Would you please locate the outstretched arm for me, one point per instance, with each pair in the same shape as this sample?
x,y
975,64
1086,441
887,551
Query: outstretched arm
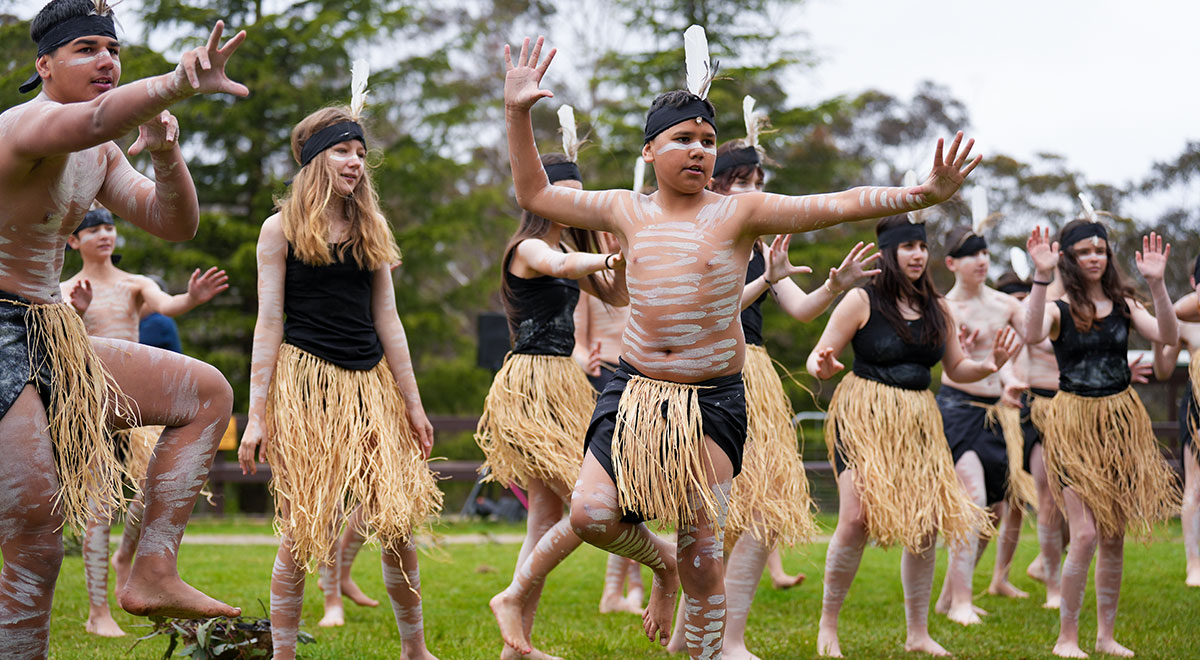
x,y
962,369
1187,308
1151,260
578,208
1039,323
805,307
49,129
848,318
781,214
201,289
395,348
268,335
166,206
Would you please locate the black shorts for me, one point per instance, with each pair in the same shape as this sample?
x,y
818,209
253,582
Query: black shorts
x,y
722,413
607,369
15,371
1032,435
964,420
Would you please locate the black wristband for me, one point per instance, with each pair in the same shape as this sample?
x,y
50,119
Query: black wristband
x,y
606,262
1046,283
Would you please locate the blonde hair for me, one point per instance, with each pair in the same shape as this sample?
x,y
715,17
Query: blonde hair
x,y
302,210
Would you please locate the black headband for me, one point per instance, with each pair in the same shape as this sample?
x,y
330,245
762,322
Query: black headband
x,y
1015,287
736,158
1081,231
666,116
974,244
93,218
329,136
909,231
567,171
66,32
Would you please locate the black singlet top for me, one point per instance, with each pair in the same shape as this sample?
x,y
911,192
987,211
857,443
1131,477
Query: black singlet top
x,y
1092,363
882,356
327,312
752,319
543,318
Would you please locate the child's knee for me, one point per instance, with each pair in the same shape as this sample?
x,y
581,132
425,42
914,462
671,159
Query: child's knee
x,y
216,394
591,521
700,574
1083,536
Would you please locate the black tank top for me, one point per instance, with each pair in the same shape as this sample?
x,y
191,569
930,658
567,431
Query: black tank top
x,y
327,312
543,316
1093,363
752,318
882,356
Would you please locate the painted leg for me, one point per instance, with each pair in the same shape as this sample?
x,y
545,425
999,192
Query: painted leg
x,y
1074,575
30,529
742,575
351,543
122,559
596,519
95,574
287,600
700,551
193,400
402,578
329,579
1191,517
1049,532
1010,535
916,574
612,599
1110,561
841,563
956,598
779,577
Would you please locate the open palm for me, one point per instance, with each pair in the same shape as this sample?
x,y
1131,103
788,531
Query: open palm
x,y
948,173
522,82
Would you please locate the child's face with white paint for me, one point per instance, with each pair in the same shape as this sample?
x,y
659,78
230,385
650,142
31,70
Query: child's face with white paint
x,y
971,269
683,156
912,257
81,70
745,184
349,161
94,243
1092,256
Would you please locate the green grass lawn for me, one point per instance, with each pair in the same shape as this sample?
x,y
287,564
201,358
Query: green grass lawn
x,y
1159,616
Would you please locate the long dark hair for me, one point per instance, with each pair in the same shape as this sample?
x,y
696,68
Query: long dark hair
x,y
535,226
1114,285
721,183
892,286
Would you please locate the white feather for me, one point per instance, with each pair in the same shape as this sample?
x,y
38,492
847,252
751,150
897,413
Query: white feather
x,y
979,210
695,56
570,134
639,175
360,70
911,181
751,121
1020,262
1088,211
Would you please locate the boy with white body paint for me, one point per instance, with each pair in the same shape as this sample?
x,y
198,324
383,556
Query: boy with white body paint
x,y
687,250
56,158
110,301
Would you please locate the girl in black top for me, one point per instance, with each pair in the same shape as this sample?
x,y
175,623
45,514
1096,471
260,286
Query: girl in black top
x,y
896,479
537,411
334,405
1101,455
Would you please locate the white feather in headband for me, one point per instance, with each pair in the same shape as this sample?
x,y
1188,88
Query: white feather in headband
x,y
1020,262
103,7
570,134
755,121
1089,212
359,71
700,71
980,218
911,181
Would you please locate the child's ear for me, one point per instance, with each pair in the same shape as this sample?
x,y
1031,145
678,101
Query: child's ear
x,y
648,152
73,242
950,263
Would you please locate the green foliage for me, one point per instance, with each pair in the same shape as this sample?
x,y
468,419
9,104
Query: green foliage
x,y
220,638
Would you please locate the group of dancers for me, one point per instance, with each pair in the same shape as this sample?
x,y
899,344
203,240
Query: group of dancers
x,y
680,422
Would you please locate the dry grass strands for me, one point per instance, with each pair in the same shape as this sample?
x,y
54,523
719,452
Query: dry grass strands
x,y
83,398
770,497
1104,449
1039,406
1194,375
892,438
534,420
1022,489
338,438
141,442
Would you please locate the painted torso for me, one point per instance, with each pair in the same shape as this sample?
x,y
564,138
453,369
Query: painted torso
x,y
607,327
116,305
987,312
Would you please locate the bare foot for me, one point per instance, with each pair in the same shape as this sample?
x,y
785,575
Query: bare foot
x,y
507,611
424,654
925,645
966,615
334,617
103,625
510,653
656,620
786,581
351,590
1193,578
1007,590
741,653
1111,647
619,604
827,643
145,594
1035,570
1052,602
1068,650
635,598
120,565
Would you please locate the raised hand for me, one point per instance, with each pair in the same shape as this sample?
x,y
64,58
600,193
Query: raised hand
x,y
204,67
947,174
1042,252
522,81
779,266
967,338
853,267
202,288
1008,344
827,364
158,134
81,296
1140,373
1152,259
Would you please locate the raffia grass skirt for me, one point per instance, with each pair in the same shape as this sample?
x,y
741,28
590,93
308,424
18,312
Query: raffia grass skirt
x,y
1194,376
141,442
1022,490
337,439
1104,449
892,438
84,396
770,498
534,420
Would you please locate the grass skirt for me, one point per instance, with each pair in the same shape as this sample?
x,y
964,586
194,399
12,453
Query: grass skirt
x,y
1104,449
336,439
140,442
534,420
1022,489
892,438
770,498
1194,375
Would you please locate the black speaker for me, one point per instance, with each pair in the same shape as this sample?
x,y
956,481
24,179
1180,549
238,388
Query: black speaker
x,y
492,333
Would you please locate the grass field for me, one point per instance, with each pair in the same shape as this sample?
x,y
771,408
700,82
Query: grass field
x,y
1159,616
